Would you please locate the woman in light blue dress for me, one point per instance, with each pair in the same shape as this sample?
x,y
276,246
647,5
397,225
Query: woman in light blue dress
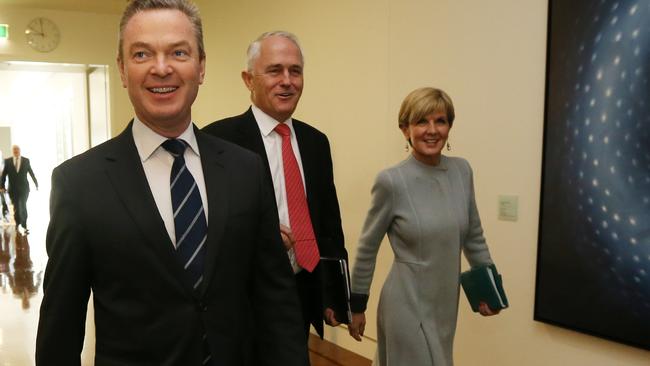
x,y
426,206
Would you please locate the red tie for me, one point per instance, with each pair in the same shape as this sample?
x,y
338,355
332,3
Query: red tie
x,y
306,248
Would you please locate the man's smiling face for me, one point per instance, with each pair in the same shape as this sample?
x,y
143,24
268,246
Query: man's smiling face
x,y
161,68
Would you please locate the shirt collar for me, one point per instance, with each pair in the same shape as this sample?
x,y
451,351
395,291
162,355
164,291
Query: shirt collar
x,y
266,123
147,141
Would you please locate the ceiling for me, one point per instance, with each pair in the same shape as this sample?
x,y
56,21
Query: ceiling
x,y
93,6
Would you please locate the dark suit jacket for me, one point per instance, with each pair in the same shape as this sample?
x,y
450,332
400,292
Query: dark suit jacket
x,y
319,181
17,180
106,234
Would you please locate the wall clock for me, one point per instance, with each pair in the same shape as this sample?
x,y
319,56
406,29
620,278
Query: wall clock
x,y
42,34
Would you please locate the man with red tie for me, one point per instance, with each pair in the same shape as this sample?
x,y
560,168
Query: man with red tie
x,y
299,165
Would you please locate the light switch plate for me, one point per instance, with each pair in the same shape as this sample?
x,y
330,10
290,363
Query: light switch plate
x,y
508,208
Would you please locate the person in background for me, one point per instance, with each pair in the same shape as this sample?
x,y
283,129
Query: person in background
x,y
16,168
298,164
173,230
5,207
426,206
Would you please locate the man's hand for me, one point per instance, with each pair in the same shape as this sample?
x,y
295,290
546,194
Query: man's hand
x,y
330,318
485,310
357,326
287,237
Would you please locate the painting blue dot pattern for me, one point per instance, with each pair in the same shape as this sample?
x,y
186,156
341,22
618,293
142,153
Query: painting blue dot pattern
x,y
596,187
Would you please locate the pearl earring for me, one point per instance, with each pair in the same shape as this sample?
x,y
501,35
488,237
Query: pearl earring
x,y
448,146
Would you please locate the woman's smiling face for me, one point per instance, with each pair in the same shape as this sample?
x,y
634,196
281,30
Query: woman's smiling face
x,y
428,137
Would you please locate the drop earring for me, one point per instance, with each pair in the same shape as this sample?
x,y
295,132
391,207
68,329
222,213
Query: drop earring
x,y
448,146
406,147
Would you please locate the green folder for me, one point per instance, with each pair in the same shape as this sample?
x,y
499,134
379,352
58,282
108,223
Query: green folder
x,y
484,284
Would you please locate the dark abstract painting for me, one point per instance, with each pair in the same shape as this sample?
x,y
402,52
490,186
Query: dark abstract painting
x,y
593,266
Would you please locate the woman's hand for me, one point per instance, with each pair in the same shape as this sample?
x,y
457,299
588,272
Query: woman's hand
x,y
357,326
485,310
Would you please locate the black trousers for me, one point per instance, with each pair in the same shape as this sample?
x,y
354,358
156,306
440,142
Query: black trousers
x,y
19,200
308,285
5,208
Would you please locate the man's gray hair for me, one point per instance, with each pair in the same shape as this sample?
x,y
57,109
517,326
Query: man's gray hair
x,y
253,51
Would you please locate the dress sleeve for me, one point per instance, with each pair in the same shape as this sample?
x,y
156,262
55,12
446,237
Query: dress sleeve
x,y
474,246
378,220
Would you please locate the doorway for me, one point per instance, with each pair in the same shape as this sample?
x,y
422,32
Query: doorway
x,y
53,112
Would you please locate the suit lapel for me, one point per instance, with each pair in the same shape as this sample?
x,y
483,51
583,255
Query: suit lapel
x,y
217,188
312,169
307,154
251,138
126,174
11,164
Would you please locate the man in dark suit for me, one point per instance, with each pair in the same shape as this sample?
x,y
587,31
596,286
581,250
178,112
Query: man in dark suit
x,y
274,77
199,278
16,168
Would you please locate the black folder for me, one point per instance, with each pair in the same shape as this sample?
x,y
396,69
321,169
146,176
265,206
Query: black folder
x,y
484,284
336,287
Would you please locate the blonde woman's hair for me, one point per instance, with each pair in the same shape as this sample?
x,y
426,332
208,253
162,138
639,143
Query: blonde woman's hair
x,y
422,102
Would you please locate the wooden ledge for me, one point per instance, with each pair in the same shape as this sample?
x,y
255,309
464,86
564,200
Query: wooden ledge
x,y
325,353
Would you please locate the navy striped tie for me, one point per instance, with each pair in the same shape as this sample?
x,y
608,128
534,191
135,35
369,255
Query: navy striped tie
x,y
189,216
189,221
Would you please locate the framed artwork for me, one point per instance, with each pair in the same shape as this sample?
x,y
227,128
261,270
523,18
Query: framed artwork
x,y
593,264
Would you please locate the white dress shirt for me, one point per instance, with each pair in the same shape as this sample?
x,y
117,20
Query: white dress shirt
x,y
157,163
273,146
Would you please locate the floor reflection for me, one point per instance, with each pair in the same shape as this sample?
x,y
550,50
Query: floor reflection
x,y
23,280
22,269
20,297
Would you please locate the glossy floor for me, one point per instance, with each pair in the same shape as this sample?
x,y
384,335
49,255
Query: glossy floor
x,y
22,264
22,267
21,275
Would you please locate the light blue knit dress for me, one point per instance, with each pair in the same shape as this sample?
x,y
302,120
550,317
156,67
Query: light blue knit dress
x,y
430,215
